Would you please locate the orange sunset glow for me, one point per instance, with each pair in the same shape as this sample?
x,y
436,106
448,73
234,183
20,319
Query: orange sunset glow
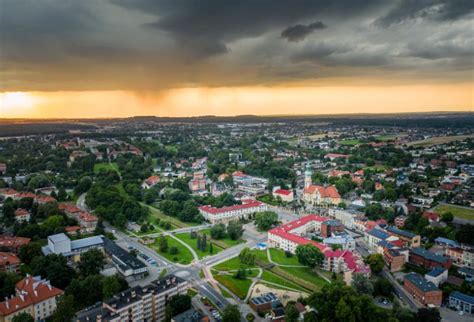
x,y
125,58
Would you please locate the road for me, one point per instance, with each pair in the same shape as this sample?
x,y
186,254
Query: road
x,y
363,249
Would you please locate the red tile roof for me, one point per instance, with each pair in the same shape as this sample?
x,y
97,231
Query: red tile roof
x,y
85,216
336,155
70,208
31,290
8,259
249,203
282,192
325,192
13,242
21,212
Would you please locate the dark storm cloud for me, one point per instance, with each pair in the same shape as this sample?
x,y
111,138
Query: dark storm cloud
x,y
154,44
299,32
207,26
439,10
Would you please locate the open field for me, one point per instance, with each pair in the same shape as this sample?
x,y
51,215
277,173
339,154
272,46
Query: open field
x,y
279,257
225,242
440,140
156,213
237,286
184,256
349,142
192,242
457,211
105,166
303,276
390,137
268,276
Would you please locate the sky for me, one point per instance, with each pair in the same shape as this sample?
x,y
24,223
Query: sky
x,y
119,58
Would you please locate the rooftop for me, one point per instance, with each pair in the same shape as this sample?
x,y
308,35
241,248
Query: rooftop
x,y
429,255
401,232
419,282
437,271
462,297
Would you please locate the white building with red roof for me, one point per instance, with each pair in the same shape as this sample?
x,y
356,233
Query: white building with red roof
x,y
289,236
150,182
34,296
9,263
22,215
87,221
284,194
235,212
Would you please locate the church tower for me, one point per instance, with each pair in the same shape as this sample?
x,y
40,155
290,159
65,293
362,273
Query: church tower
x,y
308,173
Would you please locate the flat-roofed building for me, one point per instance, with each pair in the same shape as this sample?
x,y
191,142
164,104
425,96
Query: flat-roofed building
x,y
461,302
426,259
411,239
422,290
139,303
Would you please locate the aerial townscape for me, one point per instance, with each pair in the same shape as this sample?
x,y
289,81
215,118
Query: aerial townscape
x,y
245,218
236,161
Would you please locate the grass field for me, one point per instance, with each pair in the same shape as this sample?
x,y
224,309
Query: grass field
x,y
105,166
459,212
390,137
273,278
349,142
186,237
279,257
156,213
440,140
184,256
225,242
303,276
237,286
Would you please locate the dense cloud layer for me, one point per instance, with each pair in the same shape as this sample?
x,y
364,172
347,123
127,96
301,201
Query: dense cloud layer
x,y
154,44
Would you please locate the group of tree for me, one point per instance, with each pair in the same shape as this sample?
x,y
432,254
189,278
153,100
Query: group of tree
x,y
265,220
309,255
178,203
233,230
247,257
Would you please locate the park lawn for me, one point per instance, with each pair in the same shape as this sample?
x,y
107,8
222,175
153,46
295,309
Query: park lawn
x,y
225,242
192,242
268,276
440,140
279,257
236,286
305,274
105,166
234,263
349,142
156,213
230,264
390,137
459,212
184,256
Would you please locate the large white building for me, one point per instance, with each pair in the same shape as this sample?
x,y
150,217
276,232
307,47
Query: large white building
x,y
289,236
235,212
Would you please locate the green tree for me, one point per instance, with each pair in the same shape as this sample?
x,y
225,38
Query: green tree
x,y
7,283
54,268
231,313
447,217
111,286
246,256
428,315
234,230
362,284
62,194
29,251
174,250
375,262
65,309
163,244
309,255
218,231
168,313
23,317
266,219
91,262
180,303
291,313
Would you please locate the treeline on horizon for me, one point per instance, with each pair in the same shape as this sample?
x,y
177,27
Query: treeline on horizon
x,y
22,127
